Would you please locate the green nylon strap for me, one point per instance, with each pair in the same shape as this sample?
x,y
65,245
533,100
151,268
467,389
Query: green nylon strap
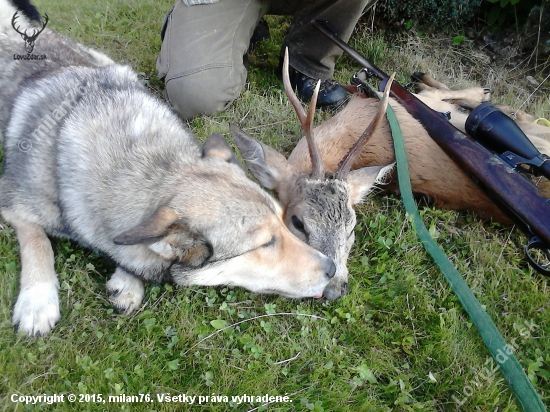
x,y
500,351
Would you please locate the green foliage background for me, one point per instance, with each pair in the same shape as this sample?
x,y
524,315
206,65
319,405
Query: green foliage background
x,y
494,14
440,13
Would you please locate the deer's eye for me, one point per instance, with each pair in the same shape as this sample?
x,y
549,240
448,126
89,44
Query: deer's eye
x,y
298,224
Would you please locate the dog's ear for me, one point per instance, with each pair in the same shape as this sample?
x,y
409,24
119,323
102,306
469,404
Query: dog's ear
x,y
150,229
169,236
216,146
266,164
184,246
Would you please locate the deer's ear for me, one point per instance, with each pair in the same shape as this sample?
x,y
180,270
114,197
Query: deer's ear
x,y
266,164
362,181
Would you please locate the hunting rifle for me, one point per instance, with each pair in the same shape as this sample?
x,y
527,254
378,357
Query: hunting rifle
x,y
497,172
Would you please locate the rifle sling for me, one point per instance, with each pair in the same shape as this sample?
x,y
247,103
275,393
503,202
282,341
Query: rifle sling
x,y
512,371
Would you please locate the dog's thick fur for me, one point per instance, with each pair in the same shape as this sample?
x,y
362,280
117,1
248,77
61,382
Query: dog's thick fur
x,y
89,154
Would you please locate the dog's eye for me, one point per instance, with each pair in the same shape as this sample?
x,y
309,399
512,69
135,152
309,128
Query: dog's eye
x,y
271,242
298,224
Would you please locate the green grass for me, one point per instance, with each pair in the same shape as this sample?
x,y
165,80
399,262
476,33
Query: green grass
x,y
399,341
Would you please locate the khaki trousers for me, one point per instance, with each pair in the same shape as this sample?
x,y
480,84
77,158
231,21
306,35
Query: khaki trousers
x,y
201,58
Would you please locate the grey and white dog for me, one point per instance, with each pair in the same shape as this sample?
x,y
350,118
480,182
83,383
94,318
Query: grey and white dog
x,y
91,155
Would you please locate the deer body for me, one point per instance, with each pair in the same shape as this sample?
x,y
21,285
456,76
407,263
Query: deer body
x,y
339,162
433,174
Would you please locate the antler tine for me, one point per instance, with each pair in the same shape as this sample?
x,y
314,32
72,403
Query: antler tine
x,y
290,92
317,171
45,23
36,31
347,161
13,19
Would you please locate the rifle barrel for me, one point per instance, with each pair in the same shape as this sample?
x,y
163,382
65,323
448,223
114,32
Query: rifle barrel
x,y
327,31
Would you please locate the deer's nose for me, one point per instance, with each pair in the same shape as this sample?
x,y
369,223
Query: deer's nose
x,y
336,291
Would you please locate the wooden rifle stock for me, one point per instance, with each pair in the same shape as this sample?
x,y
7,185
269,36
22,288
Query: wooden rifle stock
x,y
510,191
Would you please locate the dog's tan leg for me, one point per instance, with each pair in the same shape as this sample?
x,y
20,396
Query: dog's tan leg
x,y
37,308
125,291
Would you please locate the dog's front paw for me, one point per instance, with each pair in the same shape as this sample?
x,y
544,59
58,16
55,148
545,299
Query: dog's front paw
x,y
125,292
37,309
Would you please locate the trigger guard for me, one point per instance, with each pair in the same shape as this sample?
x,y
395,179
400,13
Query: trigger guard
x,y
536,243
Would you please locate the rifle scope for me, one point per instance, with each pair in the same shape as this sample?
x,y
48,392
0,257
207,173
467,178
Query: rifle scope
x,y
499,133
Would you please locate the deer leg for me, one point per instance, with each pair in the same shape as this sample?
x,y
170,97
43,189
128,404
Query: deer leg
x,y
425,80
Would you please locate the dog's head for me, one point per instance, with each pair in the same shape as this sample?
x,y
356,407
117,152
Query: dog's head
x,y
223,229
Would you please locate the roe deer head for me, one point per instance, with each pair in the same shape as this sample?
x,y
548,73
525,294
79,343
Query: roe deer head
x,y
318,205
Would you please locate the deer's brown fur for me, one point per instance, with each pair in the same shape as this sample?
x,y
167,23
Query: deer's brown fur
x,y
433,174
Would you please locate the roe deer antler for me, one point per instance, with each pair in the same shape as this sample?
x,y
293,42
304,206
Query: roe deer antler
x,y
317,170
344,166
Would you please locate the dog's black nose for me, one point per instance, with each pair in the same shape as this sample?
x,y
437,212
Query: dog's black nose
x,y
331,269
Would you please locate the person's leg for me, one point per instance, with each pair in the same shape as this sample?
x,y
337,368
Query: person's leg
x,y
312,56
201,58
310,52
